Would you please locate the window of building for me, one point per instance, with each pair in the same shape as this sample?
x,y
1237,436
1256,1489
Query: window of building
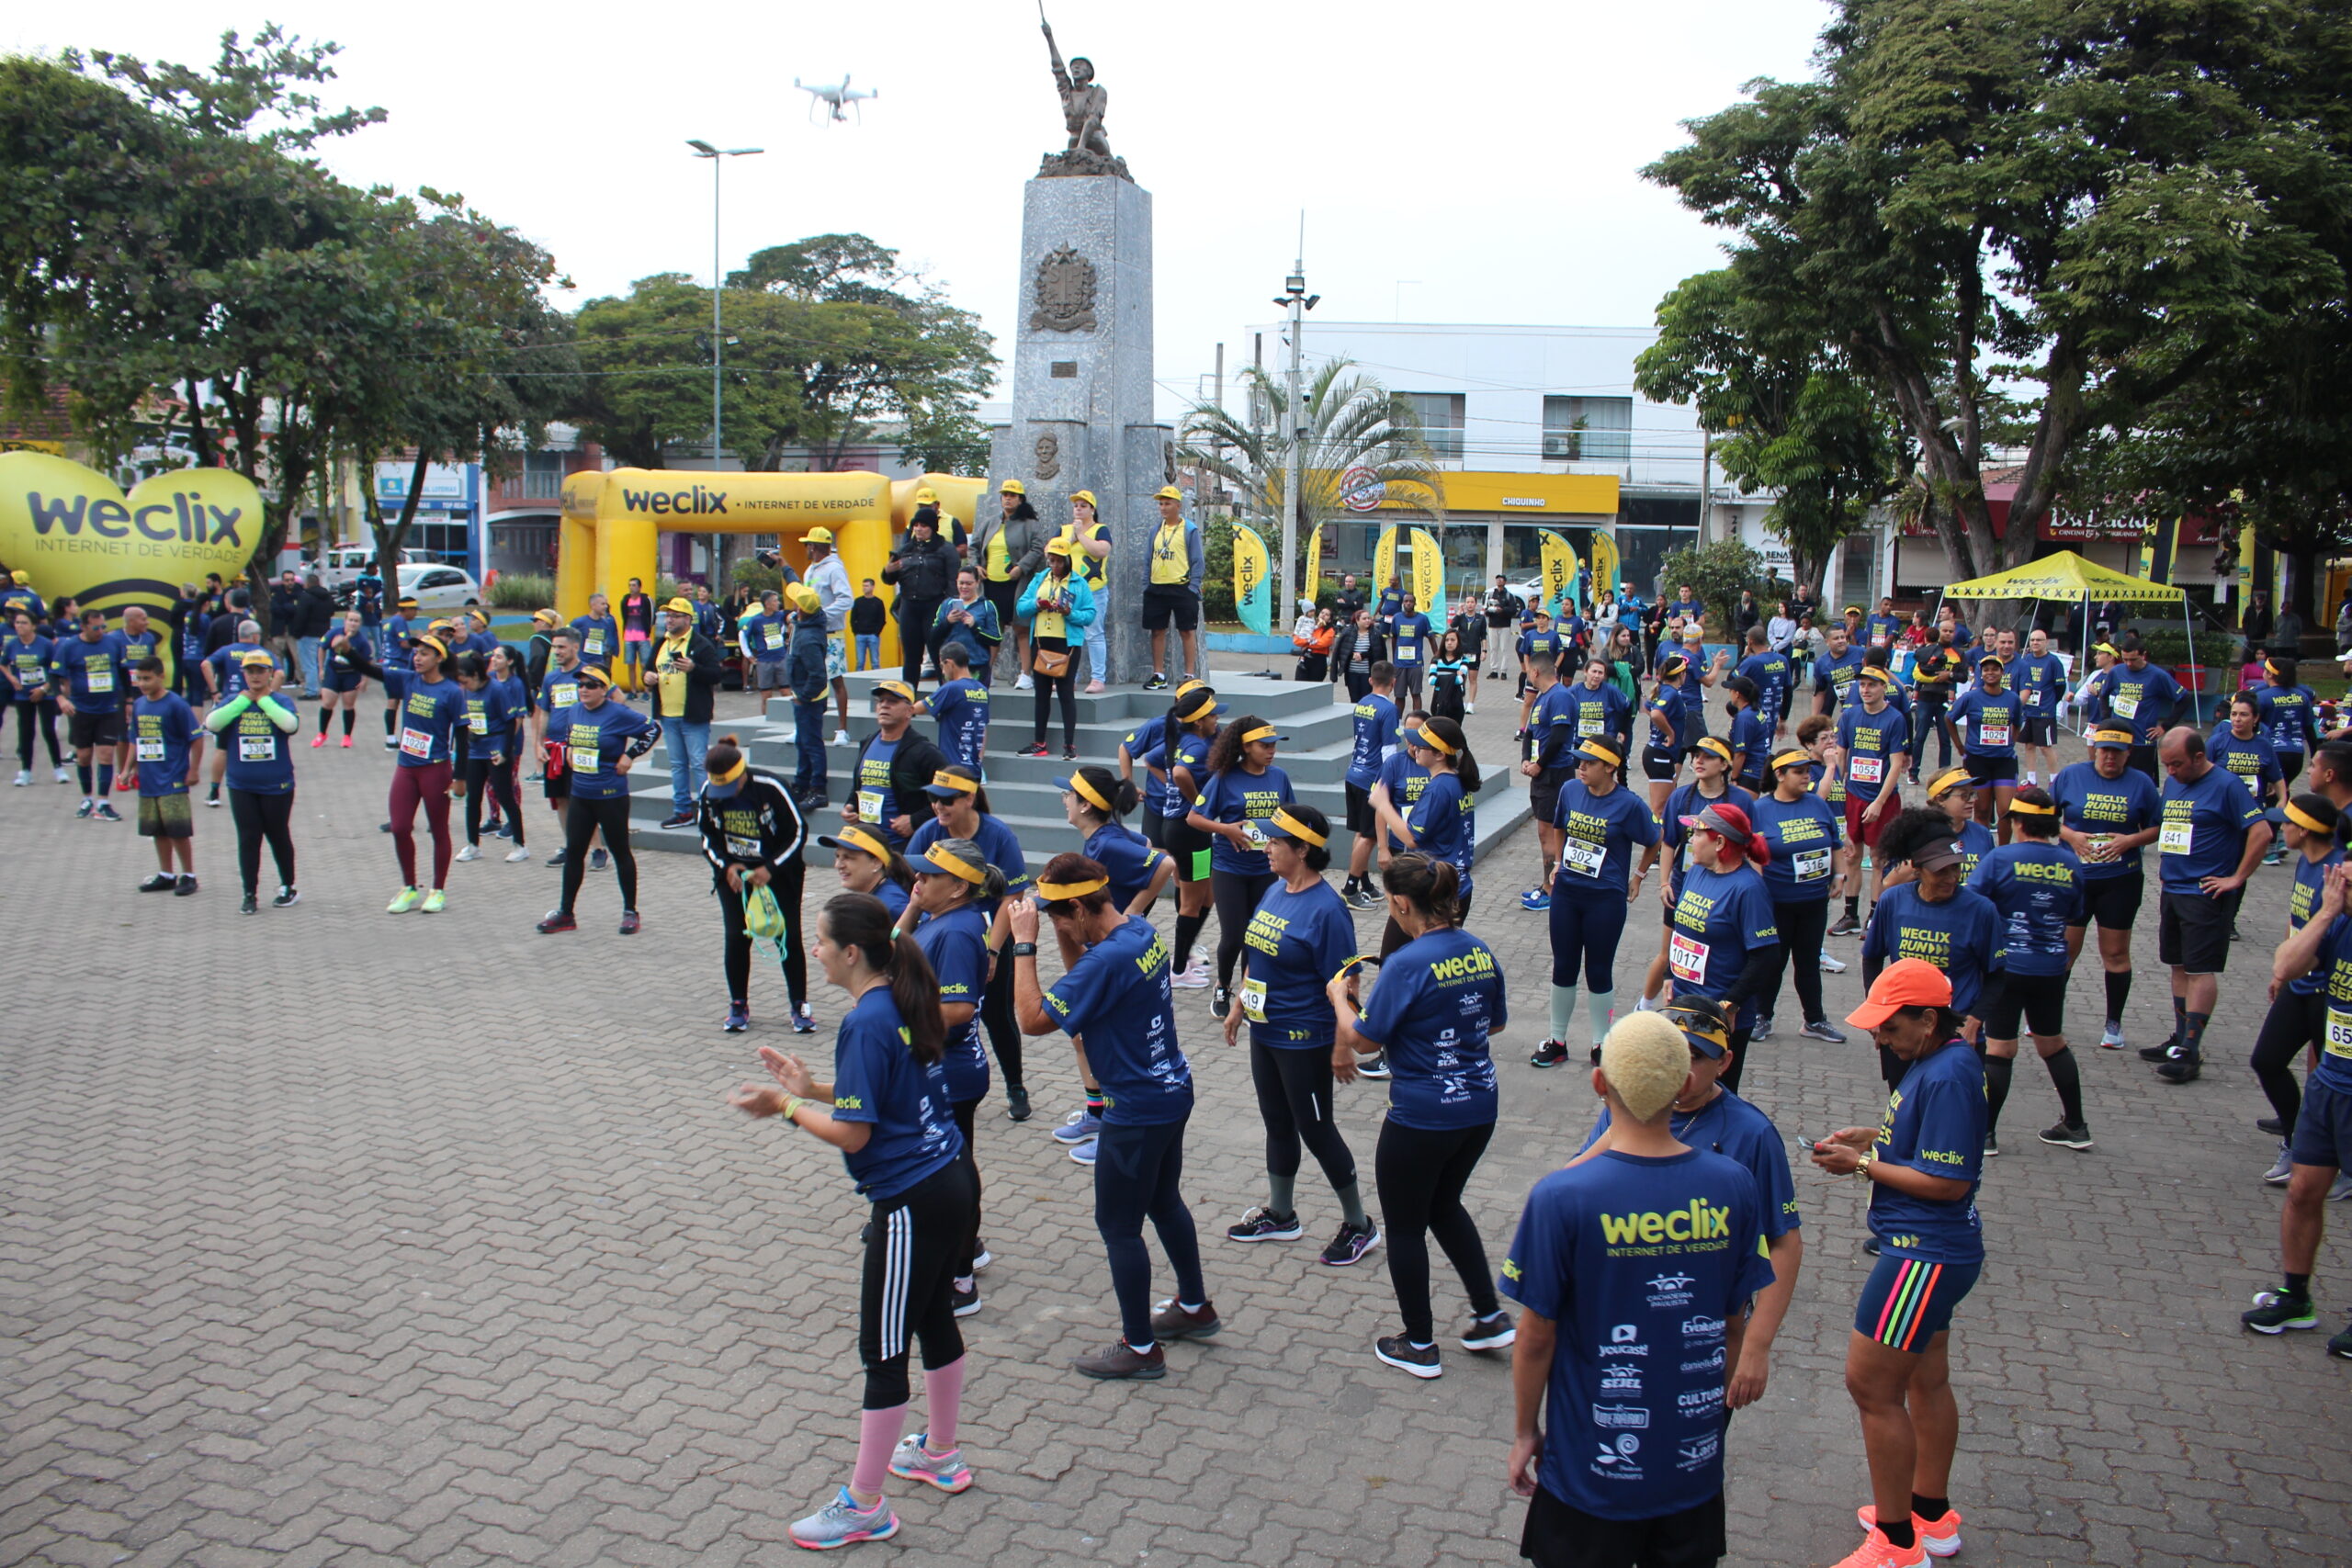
x,y
1441,416
542,476
1588,430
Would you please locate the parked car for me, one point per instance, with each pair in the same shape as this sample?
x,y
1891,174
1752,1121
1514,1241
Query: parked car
x,y
345,564
439,588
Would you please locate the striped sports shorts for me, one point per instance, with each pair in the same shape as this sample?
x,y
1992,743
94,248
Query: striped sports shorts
x,y
1909,1302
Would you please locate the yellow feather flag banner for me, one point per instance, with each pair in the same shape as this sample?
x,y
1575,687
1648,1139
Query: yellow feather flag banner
x,y
1314,566
1559,566
1384,561
1428,575
1604,562
1253,592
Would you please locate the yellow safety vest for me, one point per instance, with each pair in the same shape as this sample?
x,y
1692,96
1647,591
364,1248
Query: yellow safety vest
x,y
1170,562
1084,565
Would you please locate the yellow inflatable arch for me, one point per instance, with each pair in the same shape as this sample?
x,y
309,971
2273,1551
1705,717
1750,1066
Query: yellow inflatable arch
x,y
612,521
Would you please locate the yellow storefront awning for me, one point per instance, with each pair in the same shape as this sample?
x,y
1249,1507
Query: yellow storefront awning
x,y
2064,576
1536,494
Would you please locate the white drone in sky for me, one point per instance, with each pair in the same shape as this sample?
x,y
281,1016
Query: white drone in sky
x,y
836,98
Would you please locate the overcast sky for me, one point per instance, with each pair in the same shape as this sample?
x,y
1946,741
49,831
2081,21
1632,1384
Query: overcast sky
x,y
1456,163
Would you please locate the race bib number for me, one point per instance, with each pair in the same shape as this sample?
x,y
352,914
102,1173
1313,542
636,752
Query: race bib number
x,y
1844,690
594,645
1587,729
871,806
743,849
1253,1000
1865,769
1809,865
477,722
585,758
774,635
2033,699
2176,838
1407,650
2126,706
2338,1036
1251,831
564,696
100,681
1688,959
1581,858
256,749
150,749
415,743
1993,735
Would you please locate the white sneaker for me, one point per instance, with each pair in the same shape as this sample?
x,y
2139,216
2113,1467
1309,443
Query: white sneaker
x,y
841,738
64,775
1195,977
24,777
517,855
1832,966
468,852
1025,683
1469,707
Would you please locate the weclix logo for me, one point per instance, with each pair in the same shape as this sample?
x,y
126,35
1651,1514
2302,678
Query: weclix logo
x,y
1699,1221
693,502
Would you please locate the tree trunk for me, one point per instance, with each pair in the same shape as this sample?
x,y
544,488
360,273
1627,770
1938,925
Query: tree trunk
x,y
391,539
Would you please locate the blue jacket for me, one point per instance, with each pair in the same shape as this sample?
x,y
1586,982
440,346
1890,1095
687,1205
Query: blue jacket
x,y
804,664
1081,600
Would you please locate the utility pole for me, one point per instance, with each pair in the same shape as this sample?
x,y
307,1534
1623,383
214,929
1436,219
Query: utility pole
x,y
1295,299
718,342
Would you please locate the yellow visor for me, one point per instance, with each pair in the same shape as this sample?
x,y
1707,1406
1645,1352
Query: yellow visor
x,y
1298,829
937,856
1055,892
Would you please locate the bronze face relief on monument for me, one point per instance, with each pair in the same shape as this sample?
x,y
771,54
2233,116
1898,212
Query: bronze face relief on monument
x,y
1064,293
1083,104
1049,458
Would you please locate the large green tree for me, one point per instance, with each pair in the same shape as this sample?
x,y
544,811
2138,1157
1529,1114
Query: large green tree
x,y
2082,204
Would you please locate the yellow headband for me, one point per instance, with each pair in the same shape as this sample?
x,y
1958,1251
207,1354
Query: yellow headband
x,y
588,675
2113,737
2300,817
1087,792
1946,783
1298,829
938,856
1191,686
1713,746
946,780
1873,672
859,838
1264,732
1055,892
1431,739
440,649
1207,706
1792,760
731,774
1596,751
2027,808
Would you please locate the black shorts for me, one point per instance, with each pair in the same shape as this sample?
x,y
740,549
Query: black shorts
x,y
1752,783
1992,770
2040,1000
1659,765
558,784
1544,793
1162,603
2113,902
1360,817
1187,846
2037,730
1558,1535
2193,932
85,730
1155,829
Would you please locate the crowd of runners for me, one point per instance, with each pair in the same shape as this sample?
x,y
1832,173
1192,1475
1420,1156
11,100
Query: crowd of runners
x,y
1653,1271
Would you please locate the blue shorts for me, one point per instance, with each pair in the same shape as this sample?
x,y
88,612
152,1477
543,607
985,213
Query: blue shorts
x,y
2323,1126
1907,1302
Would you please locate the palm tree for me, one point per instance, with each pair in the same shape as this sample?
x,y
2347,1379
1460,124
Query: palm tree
x,y
1352,422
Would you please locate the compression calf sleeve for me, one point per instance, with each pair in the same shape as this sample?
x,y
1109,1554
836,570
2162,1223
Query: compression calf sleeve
x,y
1188,931
2068,1079
2119,991
877,1435
1563,1011
943,1389
106,778
1351,1199
1998,1073
1282,1194
348,714
1597,1005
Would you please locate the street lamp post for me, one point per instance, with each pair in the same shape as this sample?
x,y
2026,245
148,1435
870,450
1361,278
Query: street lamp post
x,y
718,342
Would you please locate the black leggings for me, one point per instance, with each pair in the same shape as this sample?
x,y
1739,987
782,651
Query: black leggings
x,y
996,1018
1140,1172
1294,1100
2291,767
964,1111
915,616
260,817
1420,1176
910,1281
483,777
785,881
1235,896
1803,925
1066,684
27,715
581,821
2292,1023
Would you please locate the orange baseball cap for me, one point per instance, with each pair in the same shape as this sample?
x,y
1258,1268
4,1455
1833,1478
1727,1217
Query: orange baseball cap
x,y
1906,982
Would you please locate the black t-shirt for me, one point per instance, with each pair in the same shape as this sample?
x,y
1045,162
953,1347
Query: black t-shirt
x,y
867,614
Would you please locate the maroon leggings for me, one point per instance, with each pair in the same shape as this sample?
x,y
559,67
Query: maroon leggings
x,y
427,785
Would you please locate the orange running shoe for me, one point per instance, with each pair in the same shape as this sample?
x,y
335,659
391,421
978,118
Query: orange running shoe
x,y
1877,1551
1941,1538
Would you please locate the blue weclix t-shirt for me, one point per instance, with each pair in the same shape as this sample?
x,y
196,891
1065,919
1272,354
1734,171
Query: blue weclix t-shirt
x,y
1641,1262
962,708
2091,804
1372,727
876,1080
2037,889
1599,835
1934,1122
1961,936
1238,795
1295,945
2204,827
1118,998
957,944
1439,998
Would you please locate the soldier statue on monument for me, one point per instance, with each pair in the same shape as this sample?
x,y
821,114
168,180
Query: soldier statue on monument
x,y
1083,103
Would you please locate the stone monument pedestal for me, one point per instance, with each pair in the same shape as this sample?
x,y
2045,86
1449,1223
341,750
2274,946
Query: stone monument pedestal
x,y
1081,383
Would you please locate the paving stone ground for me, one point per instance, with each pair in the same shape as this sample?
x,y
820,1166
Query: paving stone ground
x,y
330,1238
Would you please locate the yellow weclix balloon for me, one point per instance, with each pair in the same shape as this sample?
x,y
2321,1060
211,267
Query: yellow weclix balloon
x,y
75,530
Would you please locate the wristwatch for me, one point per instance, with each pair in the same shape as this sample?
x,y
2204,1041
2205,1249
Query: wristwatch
x,y
1024,950
1863,1166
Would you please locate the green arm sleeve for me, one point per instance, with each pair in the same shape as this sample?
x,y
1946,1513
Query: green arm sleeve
x,y
224,716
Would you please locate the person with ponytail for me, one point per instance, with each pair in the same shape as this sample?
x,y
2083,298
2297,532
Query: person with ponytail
x,y
868,862
1183,757
1443,822
752,835
1934,913
951,878
2036,887
1114,994
598,737
1244,788
959,809
1722,942
1440,1000
884,1112
1093,801
493,730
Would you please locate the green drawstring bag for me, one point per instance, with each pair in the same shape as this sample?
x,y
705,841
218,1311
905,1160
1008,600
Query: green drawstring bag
x,y
762,916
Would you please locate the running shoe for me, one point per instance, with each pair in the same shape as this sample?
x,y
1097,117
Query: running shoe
x,y
346,742
556,860
2271,1124
1992,1145
2164,1052
1468,709
64,775
1035,749
2339,1344
677,818
469,853
1421,1360
186,887
1069,753
1367,897
1374,1067
1823,1030
84,809
1026,684
598,860
804,1020
1196,976
1847,925
738,1017
2274,1312
1171,1321
1352,1242
1871,1245
842,1523
1941,1538
502,831
1083,1153
517,855
24,777
107,813
1221,1001
841,738
318,740
2276,857
981,1258
434,902
1493,1332
963,1300
1016,1102
1550,1053
1536,899
1158,683
407,898
2182,1068
913,1460
2282,1169
2075,1136
2110,1036
1077,1127
1876,1551
2342,1190
629,922
1264,1224
1116,1361
1832,966
390,744
1763,1029
250,906
558,920
162,882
